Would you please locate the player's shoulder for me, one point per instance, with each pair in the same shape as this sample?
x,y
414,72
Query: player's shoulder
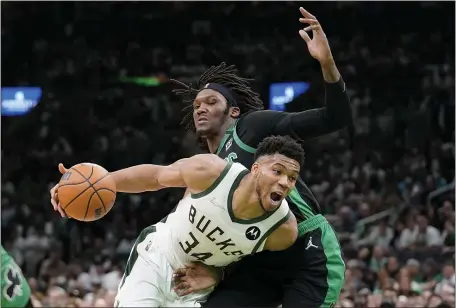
x,y
214,165
259,115
254,126
209,163
206,157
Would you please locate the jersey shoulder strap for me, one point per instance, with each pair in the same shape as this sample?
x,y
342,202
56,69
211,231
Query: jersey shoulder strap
x,y
231,174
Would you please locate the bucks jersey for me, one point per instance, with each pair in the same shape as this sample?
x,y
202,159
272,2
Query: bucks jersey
x,y
204,228
15,290
236,146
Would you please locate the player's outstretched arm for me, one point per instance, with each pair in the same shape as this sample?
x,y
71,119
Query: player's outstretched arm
x,y
197,173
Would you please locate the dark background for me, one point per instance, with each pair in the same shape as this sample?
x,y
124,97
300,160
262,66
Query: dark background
x,y
397,59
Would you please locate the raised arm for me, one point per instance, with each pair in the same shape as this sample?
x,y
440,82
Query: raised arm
x,y
337,112
313,123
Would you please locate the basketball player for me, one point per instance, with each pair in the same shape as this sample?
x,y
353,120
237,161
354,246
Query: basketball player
x,y
229,214
227,115
15,289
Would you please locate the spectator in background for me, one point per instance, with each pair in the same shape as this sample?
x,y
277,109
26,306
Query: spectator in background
x,y
111,280
380,235
419,234
389,274
448,282
53,266
36,245
400,149
378,259
448,237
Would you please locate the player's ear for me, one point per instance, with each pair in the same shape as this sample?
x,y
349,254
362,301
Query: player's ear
x,y
255,169
235,112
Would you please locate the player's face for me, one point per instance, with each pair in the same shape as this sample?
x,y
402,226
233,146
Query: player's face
x,y
210,112
276,177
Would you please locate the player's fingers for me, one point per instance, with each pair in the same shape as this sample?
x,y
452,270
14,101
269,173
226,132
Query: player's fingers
x,y
187,291
54,197
304,36
176,280
182,292
181,285
308,21
306,14
180,272
62,213
54,190
190,266
62,169
54,204
312,27
182,288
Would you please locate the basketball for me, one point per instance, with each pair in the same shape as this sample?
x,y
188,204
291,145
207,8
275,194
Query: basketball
x,y
86,192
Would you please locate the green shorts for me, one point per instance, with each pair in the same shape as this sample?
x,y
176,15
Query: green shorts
x,y
15,289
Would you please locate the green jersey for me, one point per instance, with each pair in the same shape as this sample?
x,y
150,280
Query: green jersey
x,y
15,289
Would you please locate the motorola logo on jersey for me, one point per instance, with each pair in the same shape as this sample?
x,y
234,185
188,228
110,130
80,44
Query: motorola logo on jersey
x,y
252,233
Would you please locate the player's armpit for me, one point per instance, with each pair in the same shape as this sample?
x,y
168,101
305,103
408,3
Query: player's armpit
x,y
284,236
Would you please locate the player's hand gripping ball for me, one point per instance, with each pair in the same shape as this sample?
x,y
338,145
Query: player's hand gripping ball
x,y
86,192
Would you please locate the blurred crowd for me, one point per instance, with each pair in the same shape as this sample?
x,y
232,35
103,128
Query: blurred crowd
x,y
386,183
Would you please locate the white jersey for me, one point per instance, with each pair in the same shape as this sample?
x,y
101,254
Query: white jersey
x,y
203,226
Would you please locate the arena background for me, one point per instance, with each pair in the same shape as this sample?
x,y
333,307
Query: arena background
x,y
101,72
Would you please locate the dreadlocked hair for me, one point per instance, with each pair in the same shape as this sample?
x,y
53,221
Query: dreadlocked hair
x,y
247,99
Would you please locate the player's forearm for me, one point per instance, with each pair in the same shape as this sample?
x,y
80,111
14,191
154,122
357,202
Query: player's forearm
x,y
337,103
138,178
308,124
336,114
330,72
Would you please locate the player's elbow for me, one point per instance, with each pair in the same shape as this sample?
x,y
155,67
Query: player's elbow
x,y
169,176
340,120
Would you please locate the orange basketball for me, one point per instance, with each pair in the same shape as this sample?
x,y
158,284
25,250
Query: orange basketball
x,y
86,192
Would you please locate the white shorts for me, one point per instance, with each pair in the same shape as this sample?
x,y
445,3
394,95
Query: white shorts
x,y
149,283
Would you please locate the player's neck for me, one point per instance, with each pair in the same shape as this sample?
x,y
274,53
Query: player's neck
x,y
213,141
245,200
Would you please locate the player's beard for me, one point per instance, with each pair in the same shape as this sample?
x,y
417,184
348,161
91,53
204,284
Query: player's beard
x,y
259,194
